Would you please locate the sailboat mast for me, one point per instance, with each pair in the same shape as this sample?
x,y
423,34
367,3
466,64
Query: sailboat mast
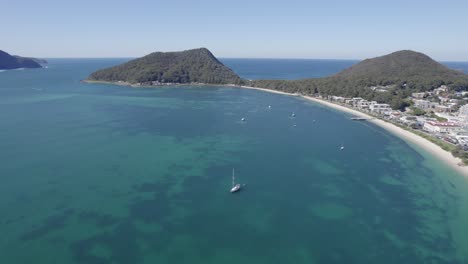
x,y
233,178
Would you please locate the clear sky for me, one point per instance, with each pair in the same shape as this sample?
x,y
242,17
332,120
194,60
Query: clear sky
x,y
349,29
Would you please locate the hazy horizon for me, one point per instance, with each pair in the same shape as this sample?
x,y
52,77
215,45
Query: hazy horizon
x,y
221,58
243,29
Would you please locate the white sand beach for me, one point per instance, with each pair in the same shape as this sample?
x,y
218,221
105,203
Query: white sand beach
x,y
425,144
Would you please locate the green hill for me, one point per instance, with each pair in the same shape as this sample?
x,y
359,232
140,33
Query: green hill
x,y
196,65
8,62
396,76
40,61
387,79
415,69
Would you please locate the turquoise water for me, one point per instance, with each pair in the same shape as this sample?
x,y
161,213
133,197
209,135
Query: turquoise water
x,y
108,174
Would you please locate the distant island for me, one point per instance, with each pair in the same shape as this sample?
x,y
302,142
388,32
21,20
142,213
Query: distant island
x,y
158,68
10,62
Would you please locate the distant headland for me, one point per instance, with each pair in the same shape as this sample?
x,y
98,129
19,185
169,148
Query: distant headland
x,y
386,79
158,68
10,62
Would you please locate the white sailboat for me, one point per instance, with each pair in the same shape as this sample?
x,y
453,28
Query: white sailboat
x,y
235,187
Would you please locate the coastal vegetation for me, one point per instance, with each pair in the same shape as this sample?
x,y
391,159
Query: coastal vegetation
x,y
9,62
38,60
190,66
417,111
386,79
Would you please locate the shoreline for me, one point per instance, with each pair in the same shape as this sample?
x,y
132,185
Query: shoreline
x,y
433,149
132,85
409,137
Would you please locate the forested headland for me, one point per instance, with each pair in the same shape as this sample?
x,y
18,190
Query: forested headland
x,y
386,79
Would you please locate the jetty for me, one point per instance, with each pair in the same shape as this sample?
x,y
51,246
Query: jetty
x,y
359,118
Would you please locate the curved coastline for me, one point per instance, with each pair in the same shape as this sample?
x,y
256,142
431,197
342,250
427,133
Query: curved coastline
x,y
425,144
445,156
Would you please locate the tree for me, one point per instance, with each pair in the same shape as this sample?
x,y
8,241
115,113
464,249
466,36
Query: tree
x,y
418,111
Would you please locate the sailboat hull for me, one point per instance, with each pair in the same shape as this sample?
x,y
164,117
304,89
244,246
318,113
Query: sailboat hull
x,y
236,188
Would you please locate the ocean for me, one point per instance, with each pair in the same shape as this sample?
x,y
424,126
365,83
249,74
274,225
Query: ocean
x,y
97,173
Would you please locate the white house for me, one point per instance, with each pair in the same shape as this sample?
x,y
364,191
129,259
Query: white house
x,y
444,99
440,127
339,99
441,89
463,111
423,104
418,95
364,104
381,108
441,109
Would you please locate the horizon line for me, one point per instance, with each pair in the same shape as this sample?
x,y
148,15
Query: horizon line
x,y
243,58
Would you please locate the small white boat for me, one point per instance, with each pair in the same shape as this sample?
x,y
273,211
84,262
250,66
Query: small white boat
x,y
293,114
342,147
235,187
269,107
243,119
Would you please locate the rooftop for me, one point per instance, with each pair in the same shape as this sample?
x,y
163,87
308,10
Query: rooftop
x,y
442,124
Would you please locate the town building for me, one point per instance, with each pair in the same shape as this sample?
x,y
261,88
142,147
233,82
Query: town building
x,y
441,108
408,120
440,127
395,115
418,95
339,99
463,111
441,89
444,99
423,104
383,109
364,104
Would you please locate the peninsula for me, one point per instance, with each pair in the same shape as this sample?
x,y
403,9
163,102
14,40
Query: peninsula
x,y
10,62
387,79
158,68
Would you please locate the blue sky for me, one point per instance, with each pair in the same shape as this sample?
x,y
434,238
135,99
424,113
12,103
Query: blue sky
x,y
352,29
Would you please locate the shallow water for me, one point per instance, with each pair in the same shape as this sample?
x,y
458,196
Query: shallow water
x,y
107,174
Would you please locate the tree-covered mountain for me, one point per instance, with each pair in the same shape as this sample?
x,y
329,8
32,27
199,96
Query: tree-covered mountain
x,y
38,60
414,69
196,65
8,62
387,79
